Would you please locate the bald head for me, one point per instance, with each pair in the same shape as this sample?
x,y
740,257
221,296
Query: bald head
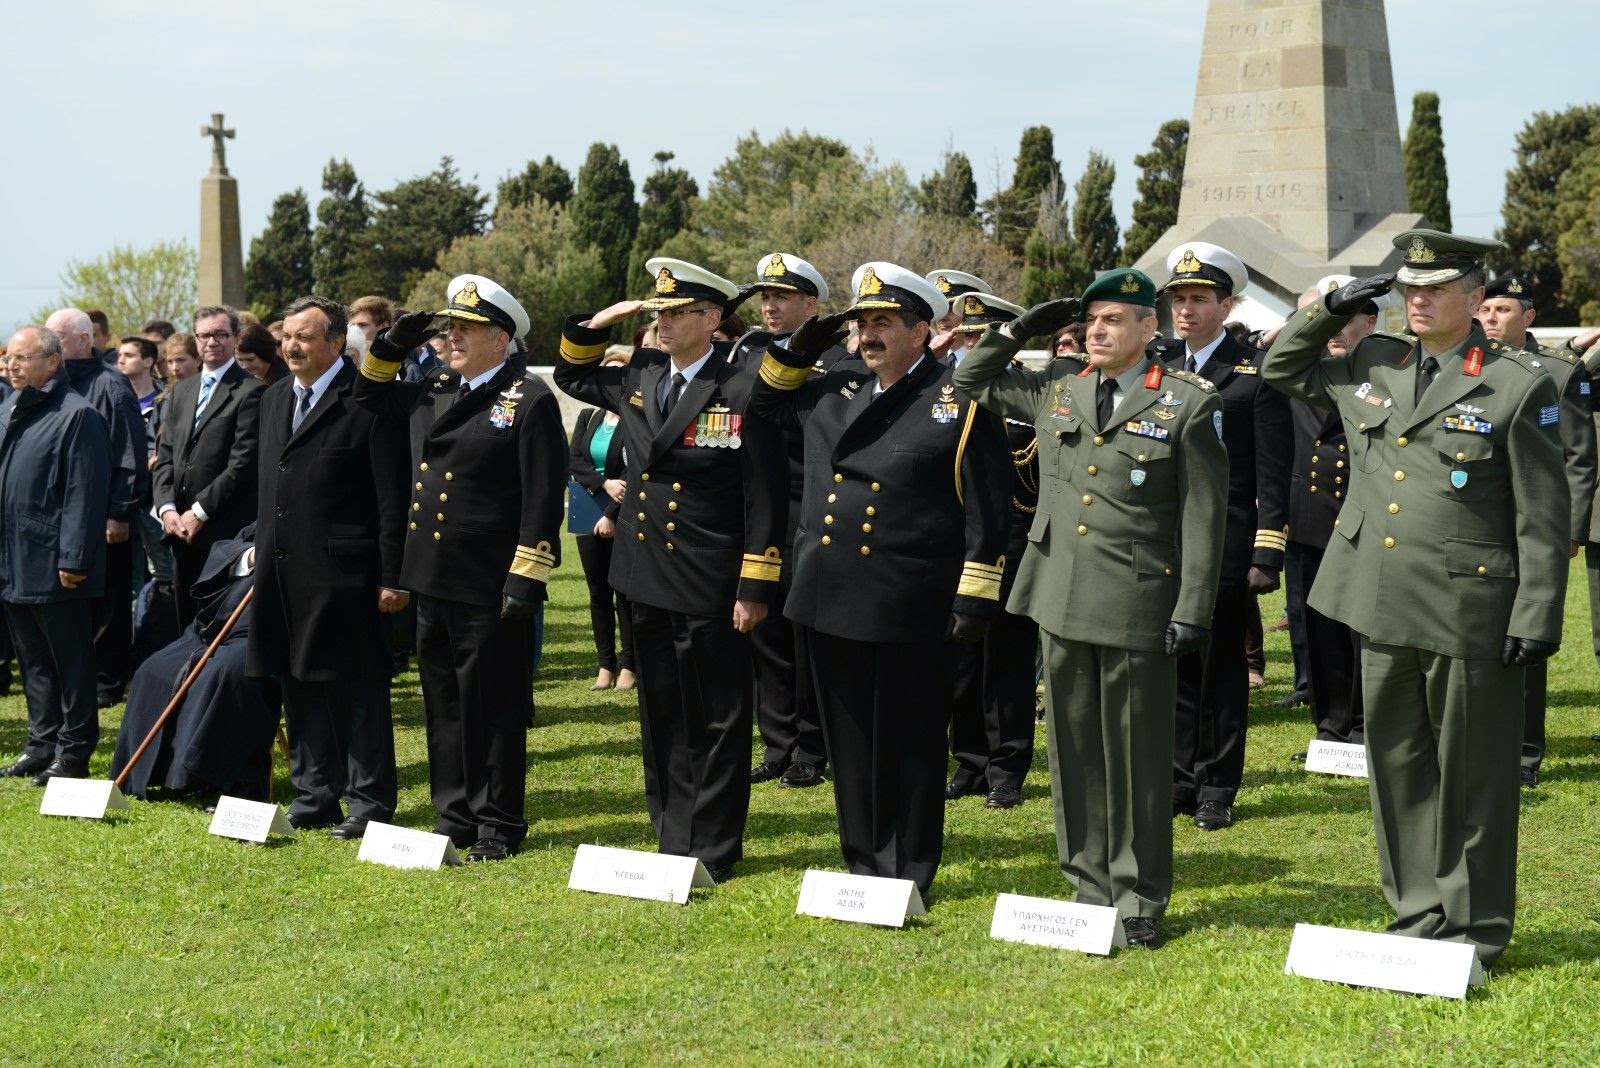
x,y
76,331
1310,296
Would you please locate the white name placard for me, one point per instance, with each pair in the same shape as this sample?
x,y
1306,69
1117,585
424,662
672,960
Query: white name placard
x,y
1390,962
86,798
1337,758
250,821
834,895
1041,921
632,873
402,847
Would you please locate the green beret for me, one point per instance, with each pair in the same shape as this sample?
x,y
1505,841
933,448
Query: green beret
x,y
1125,285
1433,258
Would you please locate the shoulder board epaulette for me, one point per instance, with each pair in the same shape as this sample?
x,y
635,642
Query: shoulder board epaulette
x,y
1202,384
1560,355
1399,339
1528,361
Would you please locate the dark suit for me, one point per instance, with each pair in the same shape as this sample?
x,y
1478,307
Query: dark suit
x,y
212,464
608,609
330,534
485,522
903,522
701,527
1213,684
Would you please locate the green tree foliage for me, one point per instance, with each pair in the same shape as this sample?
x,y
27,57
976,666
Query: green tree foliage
x,y
950,191
1427,182
604,215
417,220
669,195
1012,212
914,240
1547,148
1094,221
1578,246
279,267
1160,187
533,251
1049,266
133,285
545,179
339,244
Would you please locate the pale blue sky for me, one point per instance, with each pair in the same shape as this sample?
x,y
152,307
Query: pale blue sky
x,y
105,100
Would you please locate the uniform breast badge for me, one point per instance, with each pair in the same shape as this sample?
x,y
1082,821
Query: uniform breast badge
x,y
945,409
718,427
504,412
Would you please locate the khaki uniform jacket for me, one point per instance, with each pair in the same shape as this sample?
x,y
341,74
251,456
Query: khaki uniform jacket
x,y
1454,533
1129,529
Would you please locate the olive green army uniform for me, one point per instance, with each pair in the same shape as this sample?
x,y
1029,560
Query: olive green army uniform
x,y
1127,537
1453,536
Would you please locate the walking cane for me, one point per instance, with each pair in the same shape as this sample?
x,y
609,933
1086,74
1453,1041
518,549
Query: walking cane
x,y
183,691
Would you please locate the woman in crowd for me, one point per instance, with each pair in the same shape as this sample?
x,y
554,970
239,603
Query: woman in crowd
x,y
597,463
258,355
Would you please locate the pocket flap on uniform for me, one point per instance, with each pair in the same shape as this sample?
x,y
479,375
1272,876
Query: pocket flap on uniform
x,y
1487,559
1154,558
1143,450
1349,521
1464,447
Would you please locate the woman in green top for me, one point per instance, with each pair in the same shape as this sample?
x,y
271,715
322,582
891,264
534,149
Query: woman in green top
x,y
597,461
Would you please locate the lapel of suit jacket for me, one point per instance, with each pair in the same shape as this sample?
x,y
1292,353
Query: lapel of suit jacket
x,y
650,386
220,392
694,398
179,418
331,401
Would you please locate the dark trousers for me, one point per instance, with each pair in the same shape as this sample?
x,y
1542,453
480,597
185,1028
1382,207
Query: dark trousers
x,y
883,712
341,747
112,623
55,654
608,609
694,722
478,699
1295,590
1213,707
1535,693
1333,657
991,708
786,706
1255,641
188,560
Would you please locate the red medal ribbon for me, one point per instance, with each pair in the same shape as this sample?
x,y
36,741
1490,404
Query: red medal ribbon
x,y
1473,364
1152,378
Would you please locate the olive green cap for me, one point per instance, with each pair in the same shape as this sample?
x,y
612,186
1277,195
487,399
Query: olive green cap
x,y
1125,285
1432,257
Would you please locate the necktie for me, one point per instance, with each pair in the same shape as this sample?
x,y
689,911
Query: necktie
x,y
1189,364
301,409
671,399
466,388
1103,401
1425,372
208,381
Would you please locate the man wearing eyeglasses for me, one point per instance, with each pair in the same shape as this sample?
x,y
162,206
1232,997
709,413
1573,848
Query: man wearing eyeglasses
x,y
698,549
205,473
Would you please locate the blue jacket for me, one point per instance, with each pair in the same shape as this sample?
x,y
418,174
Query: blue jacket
x,y
54,470
107,391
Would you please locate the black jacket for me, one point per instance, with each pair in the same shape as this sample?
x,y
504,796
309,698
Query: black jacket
x,y
213,463
582,463
107,391
1321,474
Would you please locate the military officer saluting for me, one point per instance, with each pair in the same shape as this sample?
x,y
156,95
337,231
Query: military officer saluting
x,y
1506,314
699,549
900,547
1120,574
483,533
1450,559
952,284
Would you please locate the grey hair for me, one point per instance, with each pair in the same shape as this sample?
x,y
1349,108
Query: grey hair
x,y
1478,276
206,311
49,340
1143,311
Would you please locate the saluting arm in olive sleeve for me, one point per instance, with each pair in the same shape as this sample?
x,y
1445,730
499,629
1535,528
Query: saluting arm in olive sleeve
x,y
987,376
1296,366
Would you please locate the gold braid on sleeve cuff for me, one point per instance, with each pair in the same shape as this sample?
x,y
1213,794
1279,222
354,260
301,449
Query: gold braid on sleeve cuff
x,y
379,370
762,568
573,352
1277,540
981,580
534,563
780,375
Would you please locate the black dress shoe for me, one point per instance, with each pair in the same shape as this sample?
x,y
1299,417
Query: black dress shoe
x,y
1530,777
800,774
1141,931
25,767
486,849
311,823
1292,700
720,873
765,771
956,788
61,769
1213,816
1004,797
350,830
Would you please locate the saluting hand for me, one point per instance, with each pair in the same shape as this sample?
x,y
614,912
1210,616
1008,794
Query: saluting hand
x,y
1350,297
619,311
818,334
1044,318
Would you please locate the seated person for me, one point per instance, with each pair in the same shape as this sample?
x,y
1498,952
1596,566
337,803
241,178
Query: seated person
x,y
220,739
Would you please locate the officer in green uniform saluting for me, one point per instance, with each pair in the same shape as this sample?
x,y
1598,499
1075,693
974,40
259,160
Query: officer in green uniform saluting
x,y
1449,557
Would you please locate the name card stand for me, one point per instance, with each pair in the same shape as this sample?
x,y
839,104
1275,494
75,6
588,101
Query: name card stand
x,y
1042,921
1385,961
633,873
1337,758
832,895
402,847
248,821
87,799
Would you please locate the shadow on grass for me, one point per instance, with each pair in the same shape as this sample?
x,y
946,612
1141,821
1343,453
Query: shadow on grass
x,y
1549,949
1286,903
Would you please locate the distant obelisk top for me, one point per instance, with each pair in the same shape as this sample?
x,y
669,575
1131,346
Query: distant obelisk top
x,y
221,246
219,162
1294,148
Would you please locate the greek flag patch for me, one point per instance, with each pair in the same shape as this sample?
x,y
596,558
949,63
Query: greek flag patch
x,y
1550,415
1583,389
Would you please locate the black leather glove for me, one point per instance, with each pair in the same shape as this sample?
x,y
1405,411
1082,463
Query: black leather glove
x,y
1520,652
966,628
1352,296
1185,638
1261,580
517,607
408,331
817,335
1044,318
745,293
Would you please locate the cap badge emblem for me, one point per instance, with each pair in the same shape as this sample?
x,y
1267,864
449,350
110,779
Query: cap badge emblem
x,y
972,306
1514,287
1130,284
665,283
942,284
468,297
1190,264
775,267
1419,252
870,285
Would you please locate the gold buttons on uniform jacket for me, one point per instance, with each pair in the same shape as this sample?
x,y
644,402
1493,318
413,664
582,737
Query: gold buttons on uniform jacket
x,y
644,476
837,477
1337,480
672,506
827,520
422,466
416,506
1087,499
441,517
1316,459
871,510
1399,476
413,526
832,497
1461,456
1402,441
866,550
1313,489
1092,469
1338,463
1098,440
449,476
1388,543
643,496
419,485
641,517
444,497
1318,443
1361,426
1168,571
437,536
876,487
641,535
671,547
866,528
1083,529
1341,446
671,527
1394,508
1482,570
827,540
677,487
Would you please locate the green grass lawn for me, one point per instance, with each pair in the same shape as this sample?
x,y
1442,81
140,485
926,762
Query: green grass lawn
x,y
144,939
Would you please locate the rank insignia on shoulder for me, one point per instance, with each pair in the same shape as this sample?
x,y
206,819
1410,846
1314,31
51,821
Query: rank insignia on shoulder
x,y
1473,425
946,411
637,400
1246,369
1144,428
1204,384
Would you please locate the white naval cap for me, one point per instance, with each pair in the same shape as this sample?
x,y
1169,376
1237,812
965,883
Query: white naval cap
x,y
980,311
679,283
1200,263
476,299
785,270
881,284
953,283
355,342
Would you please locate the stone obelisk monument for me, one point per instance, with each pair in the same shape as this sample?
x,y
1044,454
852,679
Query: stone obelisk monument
x,y
221,252
1294,147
